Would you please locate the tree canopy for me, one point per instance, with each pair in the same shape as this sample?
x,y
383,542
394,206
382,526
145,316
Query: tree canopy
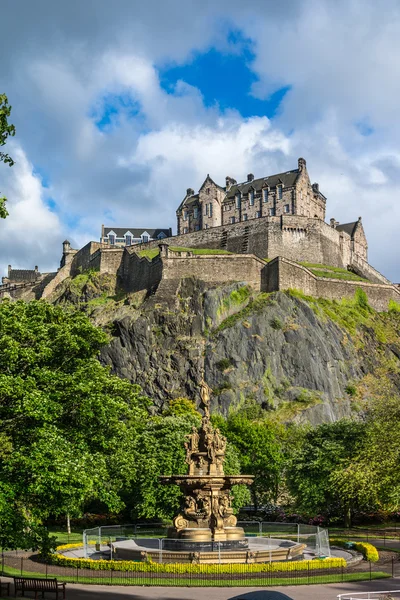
x,y
6,130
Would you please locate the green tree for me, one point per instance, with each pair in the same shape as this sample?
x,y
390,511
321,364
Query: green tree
x,y
6,130
260,447
324,474
66,423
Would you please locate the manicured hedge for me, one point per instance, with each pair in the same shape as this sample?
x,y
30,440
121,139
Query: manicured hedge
x,y
182,568
368,551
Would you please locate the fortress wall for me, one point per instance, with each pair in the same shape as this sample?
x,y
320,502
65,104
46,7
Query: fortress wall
x,y
282,274
59,277
298,238
81,260
138,274
215,268
363,268
107,260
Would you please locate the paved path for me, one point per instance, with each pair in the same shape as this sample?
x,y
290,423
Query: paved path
x,y
301,592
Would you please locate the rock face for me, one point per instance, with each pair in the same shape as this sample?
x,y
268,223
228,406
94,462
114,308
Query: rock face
x,y
304,359
271,349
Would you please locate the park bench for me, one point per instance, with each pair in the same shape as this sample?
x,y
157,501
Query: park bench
x,y
33,584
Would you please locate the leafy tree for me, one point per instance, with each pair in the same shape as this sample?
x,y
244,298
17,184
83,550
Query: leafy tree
x,y
324,474
6,130
65,421
259,444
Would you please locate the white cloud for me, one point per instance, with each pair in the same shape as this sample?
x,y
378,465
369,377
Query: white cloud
x,y
32,232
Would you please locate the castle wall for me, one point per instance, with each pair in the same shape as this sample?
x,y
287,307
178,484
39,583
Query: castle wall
x,y
138,274
107,260
281,274
81,260
218,268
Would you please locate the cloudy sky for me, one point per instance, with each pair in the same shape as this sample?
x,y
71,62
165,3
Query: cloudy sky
x,y
120,106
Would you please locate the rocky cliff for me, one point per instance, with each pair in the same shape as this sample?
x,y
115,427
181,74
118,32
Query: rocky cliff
x,y
305,359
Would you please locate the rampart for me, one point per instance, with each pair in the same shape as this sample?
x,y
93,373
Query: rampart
x,y
297,238
283,274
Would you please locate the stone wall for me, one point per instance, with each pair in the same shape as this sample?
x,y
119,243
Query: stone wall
x,y
281,274
81,260
218,268
138,274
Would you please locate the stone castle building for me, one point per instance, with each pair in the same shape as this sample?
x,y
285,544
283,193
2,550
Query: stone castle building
x,y
264,232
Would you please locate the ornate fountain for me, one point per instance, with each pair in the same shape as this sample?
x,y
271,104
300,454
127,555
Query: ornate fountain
x,y
206,520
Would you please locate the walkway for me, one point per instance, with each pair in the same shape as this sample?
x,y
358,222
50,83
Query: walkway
x,y
301,592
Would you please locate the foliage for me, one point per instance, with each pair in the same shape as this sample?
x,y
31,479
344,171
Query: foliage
x,y
368,551
394,307
254,306
181,406
181,568
68,423
6,130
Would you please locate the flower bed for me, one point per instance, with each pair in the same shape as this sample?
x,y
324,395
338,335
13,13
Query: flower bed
x,y
368,551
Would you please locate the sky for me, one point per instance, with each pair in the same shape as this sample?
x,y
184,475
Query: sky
x,y
120,107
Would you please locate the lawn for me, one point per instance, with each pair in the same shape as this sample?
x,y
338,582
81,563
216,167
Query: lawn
x,y
332,272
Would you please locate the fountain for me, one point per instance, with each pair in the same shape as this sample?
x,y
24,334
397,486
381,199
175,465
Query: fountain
x,y
205,529
206,521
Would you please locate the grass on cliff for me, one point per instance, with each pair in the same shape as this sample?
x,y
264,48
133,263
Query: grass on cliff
x,y
153,252
332,272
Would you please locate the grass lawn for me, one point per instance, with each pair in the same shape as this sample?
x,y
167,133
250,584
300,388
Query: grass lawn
x,y
332,272
219,581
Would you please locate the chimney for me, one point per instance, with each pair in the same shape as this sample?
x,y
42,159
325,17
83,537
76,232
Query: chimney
x,y
189,192
250,177
9,270
229,182
302,164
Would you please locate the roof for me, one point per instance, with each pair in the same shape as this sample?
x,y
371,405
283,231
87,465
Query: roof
x,y
288,179
347,228
23,275
136,232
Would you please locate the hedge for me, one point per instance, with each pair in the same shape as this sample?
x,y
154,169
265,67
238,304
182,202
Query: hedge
x,y
368,551
182,568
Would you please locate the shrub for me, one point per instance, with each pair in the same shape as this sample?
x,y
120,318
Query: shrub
x,y
368,551
223,364
182,568
351,390
361,299
276,323
394,307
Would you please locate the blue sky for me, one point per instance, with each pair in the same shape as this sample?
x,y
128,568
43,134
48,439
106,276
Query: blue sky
x,y
117,115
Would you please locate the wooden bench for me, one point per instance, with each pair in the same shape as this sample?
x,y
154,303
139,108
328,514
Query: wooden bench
x,y
33,584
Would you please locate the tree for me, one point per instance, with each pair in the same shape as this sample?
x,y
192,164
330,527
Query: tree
x,y
66,424
260,450
324,474
6,130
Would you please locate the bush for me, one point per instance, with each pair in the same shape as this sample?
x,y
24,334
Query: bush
x,y
223,364
351,390
394,307
182,568
361,299
276,323
368,551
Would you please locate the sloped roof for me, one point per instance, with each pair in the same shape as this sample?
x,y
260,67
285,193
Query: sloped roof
x,y
136,232
288,179
347,228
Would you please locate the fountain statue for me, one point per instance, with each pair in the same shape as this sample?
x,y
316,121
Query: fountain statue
x,y
206,515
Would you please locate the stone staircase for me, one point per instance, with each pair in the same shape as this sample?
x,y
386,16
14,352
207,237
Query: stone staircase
x,y
245,242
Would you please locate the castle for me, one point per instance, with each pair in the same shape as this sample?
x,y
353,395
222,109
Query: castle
x,y
269,232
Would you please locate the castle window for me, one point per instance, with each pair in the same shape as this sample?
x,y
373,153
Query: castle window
x,y
232,219
185,230
208,191
237,198
145,238
279,192
206,226
244,217
185,215
265,194
196,227
286,208
195,212
111,239
210,210
251,197
128,240
258,214
271,212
